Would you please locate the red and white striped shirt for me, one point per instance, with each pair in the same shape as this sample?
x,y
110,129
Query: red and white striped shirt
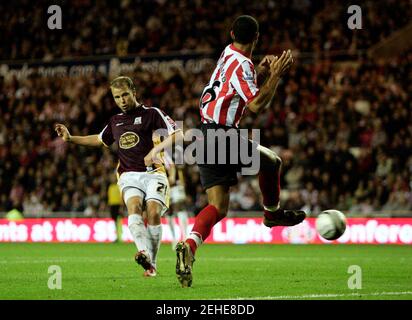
x,y
232,86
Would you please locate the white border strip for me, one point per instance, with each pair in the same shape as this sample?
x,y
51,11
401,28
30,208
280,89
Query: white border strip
x,y
325,295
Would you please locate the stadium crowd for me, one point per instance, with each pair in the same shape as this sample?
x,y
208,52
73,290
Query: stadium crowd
x,y
344,132
91,28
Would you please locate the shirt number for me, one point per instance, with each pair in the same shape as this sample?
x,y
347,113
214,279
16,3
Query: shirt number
x,y
209,94
161,188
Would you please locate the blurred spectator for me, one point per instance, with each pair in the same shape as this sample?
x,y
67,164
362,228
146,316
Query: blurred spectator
x,y
114,201
32,206
329,161
91,28
245,197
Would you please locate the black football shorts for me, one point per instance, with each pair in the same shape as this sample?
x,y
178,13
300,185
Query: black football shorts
x,y
225,172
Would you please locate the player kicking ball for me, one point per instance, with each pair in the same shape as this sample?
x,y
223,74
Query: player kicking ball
x,y
233,86
142,189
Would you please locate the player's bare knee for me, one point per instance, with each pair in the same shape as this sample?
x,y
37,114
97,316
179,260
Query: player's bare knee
x,y
221,206
134,207
273,162
222,210
218,197
275,159
269,156
153,213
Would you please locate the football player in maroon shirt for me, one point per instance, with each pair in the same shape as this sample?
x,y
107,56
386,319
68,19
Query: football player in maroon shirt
x,y
141,175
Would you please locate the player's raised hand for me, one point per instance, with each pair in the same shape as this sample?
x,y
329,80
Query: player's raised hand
x,y
279,66
266,61
62,131
264,66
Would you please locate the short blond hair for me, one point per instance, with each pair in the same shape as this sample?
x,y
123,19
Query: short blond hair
x,y
121,82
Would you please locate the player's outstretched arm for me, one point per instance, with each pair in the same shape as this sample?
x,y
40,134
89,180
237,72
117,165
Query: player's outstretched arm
x,y
277,67
63,132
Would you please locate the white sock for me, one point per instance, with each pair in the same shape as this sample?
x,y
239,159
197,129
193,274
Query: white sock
x,y
272,208
154,239
183,222
171,222
196,237
138,231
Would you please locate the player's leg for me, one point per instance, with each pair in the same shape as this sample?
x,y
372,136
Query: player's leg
x,y
177,198
218,198
269,178
216,179
183,219
172,226
136,225
119,228
116,217
269,183
132,189
134,203
154,228
157,203
216,210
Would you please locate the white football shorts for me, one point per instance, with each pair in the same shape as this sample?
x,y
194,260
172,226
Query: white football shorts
x,y
148,186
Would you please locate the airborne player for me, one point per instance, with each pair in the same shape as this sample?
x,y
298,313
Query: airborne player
x,y
233,88
141,187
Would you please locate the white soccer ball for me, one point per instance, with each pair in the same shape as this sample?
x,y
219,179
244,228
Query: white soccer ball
x,y
331,224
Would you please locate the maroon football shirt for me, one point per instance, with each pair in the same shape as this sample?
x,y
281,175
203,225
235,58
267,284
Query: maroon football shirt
x,y
133,133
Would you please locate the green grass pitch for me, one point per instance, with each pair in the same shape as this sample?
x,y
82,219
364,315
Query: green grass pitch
x,y
108,271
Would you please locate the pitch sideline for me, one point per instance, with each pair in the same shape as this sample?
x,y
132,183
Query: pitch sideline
x,y
326,295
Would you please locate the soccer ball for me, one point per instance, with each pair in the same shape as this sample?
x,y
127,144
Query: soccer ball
x,y
331,224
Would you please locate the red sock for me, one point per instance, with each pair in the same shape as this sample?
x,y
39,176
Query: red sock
x,y
204,223
269,183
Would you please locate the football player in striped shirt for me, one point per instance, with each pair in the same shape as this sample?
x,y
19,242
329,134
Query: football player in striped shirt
x,y
233,87
141,175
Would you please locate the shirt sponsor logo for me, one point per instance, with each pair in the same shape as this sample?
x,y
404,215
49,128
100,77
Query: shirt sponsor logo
x,y
138,120
128,140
